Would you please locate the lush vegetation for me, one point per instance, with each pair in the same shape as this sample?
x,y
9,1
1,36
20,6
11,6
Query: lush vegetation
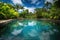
x,y
7,11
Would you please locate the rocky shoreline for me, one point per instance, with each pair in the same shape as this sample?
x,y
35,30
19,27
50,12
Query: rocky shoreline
x,y
4,22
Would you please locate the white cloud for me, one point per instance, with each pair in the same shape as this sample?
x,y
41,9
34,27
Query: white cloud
x,y
17,2
38,3
30,9
51,1
20,10
33,1
20,2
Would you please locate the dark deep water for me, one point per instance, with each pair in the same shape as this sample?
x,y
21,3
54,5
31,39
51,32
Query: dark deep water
x,y
31,30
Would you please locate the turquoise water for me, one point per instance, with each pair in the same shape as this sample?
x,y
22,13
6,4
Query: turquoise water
x,y
31,30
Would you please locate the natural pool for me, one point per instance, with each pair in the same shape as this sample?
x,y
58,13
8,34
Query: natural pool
x,y
31,30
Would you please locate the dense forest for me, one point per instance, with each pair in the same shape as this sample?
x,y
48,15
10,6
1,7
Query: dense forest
x,y
8,11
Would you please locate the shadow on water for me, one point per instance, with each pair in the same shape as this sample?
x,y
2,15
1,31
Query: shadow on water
x,y
31,30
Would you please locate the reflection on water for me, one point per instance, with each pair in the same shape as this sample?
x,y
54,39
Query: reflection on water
x,y
30,30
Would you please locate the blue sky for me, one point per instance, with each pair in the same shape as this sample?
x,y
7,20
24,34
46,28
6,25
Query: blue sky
x,y
33,3
29,4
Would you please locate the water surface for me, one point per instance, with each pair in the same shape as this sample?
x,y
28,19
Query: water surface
x,y
31,30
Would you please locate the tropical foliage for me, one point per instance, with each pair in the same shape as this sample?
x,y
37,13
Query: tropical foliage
x,y
49,11
7,11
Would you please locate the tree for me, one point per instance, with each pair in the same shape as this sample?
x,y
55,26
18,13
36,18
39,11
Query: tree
x,y
38,12
18,6
7,11
24,13
57,3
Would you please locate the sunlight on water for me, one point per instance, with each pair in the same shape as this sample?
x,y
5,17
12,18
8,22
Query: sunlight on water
x,y
31,23
21,24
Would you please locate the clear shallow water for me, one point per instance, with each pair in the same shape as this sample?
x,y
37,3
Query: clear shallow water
x,y
31,30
